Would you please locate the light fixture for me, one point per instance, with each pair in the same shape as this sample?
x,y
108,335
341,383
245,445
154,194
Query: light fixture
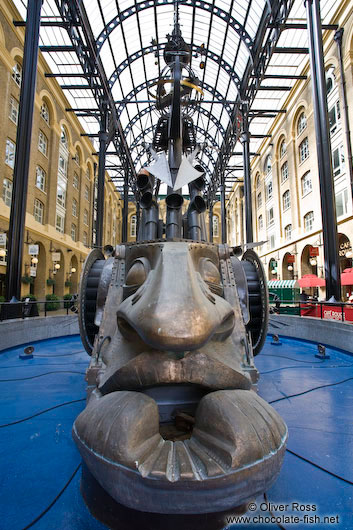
x,y
57,266
2,252
274,271
73,270
313,262
290,267
34,260
349,253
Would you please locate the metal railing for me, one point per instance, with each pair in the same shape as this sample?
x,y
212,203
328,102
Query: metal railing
x,y
35,308
341,311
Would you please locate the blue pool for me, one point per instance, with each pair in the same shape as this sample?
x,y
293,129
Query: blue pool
x,y
40,466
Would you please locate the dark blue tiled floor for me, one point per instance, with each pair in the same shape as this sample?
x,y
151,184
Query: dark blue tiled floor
x,y
38,456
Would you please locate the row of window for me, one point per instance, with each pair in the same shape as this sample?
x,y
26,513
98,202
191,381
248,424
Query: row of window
x,y
308,223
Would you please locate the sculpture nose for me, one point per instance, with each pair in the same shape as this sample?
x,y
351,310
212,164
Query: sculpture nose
x,y
175,310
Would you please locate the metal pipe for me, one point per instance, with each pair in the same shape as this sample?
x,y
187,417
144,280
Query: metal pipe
x,y
323,145
338,38
210,222
23,148
196,208
174,216
125,209
245,140
149,229
103,137
223,211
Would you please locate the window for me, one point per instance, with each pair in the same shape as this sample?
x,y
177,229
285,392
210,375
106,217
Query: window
x,y
282,148
261,222
38,211
268,165
77,158
133,226
3,259
270,217
44,112
74,207
75,181
85,239
259,199
85,217
61,192
7,192
304,150
284,172
258,182
306,184
40,178
60,223
342,202
286,200
338,161
10,153
63,165
215,225
17,74
88,173
63,139
334,114
86,193
14,109
288,232
302,123
269,190
42,143
329,83
73,232
272,241
308,221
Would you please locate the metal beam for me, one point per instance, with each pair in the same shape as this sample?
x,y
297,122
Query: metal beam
x,y
245,140
289,49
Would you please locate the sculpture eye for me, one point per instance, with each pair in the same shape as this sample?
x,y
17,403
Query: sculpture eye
x,y
210,274
138,272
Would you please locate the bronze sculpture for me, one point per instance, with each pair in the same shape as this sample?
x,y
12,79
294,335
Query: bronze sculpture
x,y
173,423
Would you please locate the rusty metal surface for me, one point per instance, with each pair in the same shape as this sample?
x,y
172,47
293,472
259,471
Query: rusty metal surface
x,y
173,423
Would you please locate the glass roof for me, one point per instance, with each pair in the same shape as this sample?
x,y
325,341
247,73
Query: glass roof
x,y
129,38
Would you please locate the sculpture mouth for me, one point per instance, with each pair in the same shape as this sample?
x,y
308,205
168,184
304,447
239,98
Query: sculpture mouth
x,y
230,431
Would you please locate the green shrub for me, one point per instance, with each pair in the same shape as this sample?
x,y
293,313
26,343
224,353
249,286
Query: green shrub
x,y
69,304
30,296
51,281
27,279
68,283
52,305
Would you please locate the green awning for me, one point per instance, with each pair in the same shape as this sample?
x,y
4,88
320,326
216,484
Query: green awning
x,y
283,284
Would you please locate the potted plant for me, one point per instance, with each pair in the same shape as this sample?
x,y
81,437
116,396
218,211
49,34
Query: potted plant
x,y
53,304
26,279
51,281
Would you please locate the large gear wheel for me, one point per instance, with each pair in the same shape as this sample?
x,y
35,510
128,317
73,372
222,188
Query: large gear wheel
x,y
258,299
91,273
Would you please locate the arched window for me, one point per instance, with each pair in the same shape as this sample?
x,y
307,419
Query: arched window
x,y
261,222
17,73
73,232
302,123
269,190
74,208
38,211
288,232
308,221
284,172
304,150
63,138
42,143
77,158
40,178
44,112
7,191
133,222
286,200
257,181
306,184
268,165
282,148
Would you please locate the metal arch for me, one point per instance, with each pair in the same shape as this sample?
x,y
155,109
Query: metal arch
x,y
153,49
201,4
147,84
205,112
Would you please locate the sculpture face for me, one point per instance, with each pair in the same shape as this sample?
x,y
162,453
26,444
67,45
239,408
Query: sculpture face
x,y
173,410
